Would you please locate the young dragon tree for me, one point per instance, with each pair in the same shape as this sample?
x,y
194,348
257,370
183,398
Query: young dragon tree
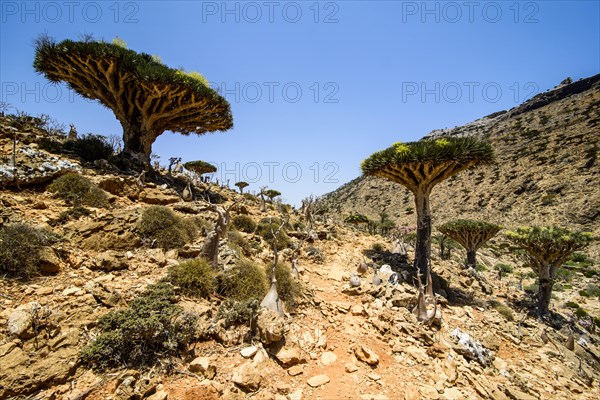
x,y
470,234
419,166
200,167
146,96
210,247
548,248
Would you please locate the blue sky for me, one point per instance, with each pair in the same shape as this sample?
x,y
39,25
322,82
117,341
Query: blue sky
x,y
315,87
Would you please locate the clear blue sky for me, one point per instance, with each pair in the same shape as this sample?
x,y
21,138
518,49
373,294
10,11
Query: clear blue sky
x,y
315,87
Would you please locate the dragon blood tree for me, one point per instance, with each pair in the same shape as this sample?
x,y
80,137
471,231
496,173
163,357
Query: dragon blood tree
x,y
200,167
419,166
146,96
548,248
470,234
241,185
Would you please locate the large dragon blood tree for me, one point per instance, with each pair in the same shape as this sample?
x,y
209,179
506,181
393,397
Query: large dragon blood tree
x,y
146,96
419,166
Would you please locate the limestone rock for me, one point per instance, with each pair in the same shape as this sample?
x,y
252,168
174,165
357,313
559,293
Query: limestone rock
x,y
271,326
328,358
20,323
49,261
248,352
247,376
103,294
318,380
204,366
366,355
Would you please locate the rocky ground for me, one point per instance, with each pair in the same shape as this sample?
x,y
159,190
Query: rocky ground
x,y
339,342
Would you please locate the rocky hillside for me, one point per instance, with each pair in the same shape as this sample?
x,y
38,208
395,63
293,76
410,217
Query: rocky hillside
x,y
334,341
547,172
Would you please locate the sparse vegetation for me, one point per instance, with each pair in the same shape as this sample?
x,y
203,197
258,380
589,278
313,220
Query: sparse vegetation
x,y
287,287
470,234
160,226
195,278
20,247
267,226
238,242
378,247
78,190
246,281
153,327
244,223
90,147
547,248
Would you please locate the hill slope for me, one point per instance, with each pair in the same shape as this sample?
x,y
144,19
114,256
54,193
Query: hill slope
x,y
547,170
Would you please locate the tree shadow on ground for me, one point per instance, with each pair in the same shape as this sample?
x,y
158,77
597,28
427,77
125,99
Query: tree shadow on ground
x,y
400,264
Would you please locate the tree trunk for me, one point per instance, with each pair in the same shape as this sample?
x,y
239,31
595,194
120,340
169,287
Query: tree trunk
x,y
137,144
471,258
545,283
210,247
423,245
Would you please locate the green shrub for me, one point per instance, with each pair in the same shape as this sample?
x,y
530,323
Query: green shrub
x,y
195,278
90,147
565,275
246,281
73,213
203,224
266,227
378,247
479,267
50,145
571,304
581,313
580,258
250,197
590,273
590,291
235,313
533,288
20,247
238,242
505,311
152,327
78,190
244,223
161,225
316,254
505,268
288,288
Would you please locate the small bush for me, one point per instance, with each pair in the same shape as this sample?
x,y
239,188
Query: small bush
x,y
237,241
378,247
161,225
250,197
316,254
195,278
73,213
581,313
590,291
151,327
266,227
246,281
564,275
533,288
505,311
20,247
235,313
580,257
203,224
90,147
479,267
78,190
287,287
505,268
50,145
244,223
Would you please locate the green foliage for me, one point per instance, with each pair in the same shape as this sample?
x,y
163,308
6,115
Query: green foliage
x,y
470,234
195,278
90,147
161,225
590,291
152,327
238,242
378,247
581,313
200,167
241,185
50,145
549,245
462,150
250,197
288,288
503,309
571,304
272,193
505,268
73,213
564,275
78,190
244,223
246,281
236,313
533,288
268,226
20,247
356,219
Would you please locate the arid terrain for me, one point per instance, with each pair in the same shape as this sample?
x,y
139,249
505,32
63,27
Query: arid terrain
x,y
335,341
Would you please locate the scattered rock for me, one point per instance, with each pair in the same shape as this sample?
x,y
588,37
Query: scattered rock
x,y
295,370
248,352
366,355
271,326
350,367
49,262
328,358
247,377
318,380
204,366
103,294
